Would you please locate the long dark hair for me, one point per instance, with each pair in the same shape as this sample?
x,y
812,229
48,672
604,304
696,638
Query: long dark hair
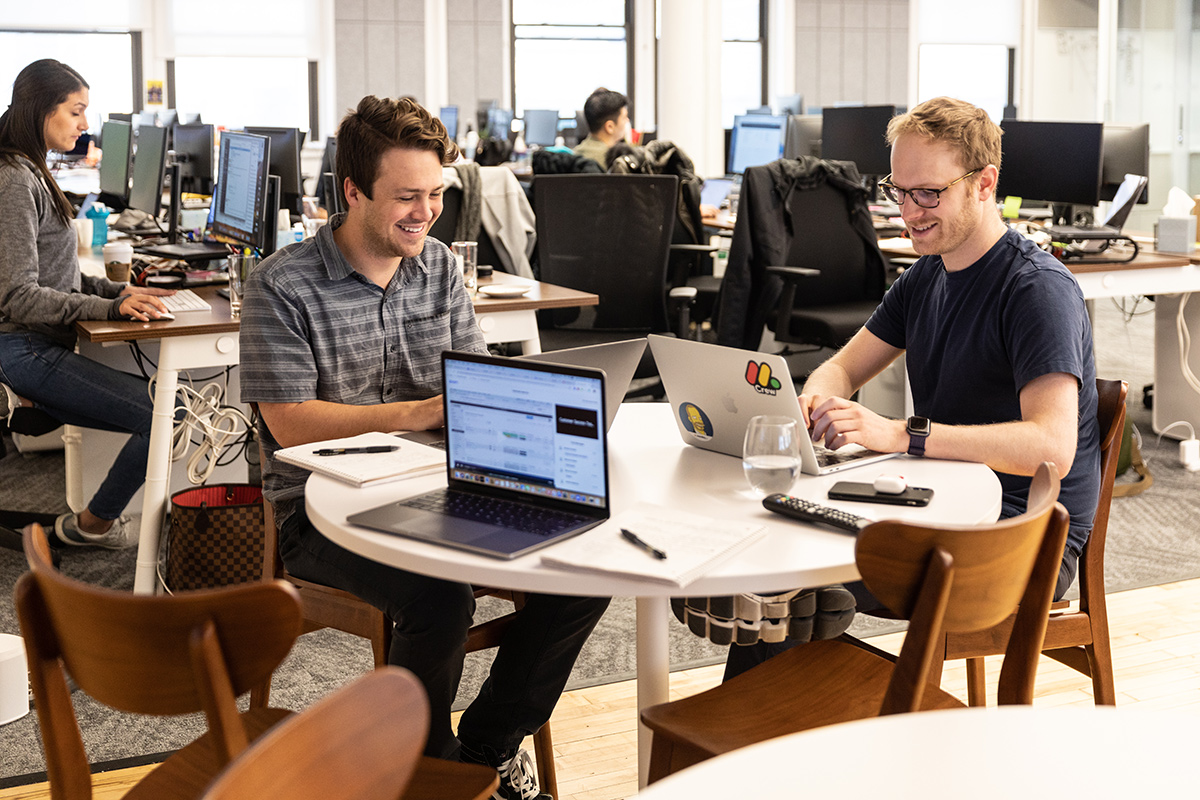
x,y
38,90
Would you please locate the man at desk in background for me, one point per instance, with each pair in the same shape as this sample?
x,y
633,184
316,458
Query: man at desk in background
x,y
607,115
342,334
997,340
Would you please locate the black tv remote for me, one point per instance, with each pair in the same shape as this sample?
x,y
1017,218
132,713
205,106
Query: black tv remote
x,y
808,511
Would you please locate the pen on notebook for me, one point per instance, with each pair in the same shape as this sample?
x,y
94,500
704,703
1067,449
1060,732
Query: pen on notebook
x,y
345,451
636,541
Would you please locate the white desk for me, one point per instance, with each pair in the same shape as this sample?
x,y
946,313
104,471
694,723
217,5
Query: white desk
x,y
649,463
1024,752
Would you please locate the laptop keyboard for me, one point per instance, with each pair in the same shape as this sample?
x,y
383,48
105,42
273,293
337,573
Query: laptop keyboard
x,y
829,458
496,511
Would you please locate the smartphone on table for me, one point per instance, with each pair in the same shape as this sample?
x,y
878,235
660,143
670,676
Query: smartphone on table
x,y
866,493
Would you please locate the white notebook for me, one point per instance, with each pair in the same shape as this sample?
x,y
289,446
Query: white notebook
x,y
364,469
693,545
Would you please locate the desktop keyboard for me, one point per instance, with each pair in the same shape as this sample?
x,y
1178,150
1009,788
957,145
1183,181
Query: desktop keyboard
x,y
185,300
806,511
495,511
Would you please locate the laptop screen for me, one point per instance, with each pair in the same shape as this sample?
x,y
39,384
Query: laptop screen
x,y
526,427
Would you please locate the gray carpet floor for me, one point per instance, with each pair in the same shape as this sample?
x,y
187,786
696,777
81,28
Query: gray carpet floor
x,y
1151,541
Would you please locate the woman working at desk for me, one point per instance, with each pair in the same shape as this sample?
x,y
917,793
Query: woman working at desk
x,y
43,293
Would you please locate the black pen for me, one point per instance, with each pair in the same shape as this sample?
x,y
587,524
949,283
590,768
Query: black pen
x,y
345,451
636,541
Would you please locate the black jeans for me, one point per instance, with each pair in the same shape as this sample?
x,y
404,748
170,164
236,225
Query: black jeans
x,y
741,659
431,619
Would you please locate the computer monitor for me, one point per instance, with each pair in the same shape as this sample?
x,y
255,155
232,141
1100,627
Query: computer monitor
x,y
756,139
194,154
499,122
149,166
449,117
188,118
116,142
121,117
1058,162
285,162
329,192
858,134
168,117
1126,152
541,126
239,202
803,136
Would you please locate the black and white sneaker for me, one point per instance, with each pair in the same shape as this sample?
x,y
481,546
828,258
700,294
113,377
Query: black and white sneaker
x,y
518,780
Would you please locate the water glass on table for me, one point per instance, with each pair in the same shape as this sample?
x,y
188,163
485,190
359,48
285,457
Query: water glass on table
x,y
771,454
239,266
467,253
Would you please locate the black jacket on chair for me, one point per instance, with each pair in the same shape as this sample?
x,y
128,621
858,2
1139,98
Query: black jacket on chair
x,y
777,226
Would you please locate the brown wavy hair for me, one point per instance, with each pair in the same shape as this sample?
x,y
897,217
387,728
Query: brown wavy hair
x,y
378,125
38,90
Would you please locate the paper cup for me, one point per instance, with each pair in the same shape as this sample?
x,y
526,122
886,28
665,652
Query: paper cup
x,y
118,261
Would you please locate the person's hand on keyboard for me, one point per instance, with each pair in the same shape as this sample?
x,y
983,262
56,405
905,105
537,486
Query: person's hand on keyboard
x,y
143,303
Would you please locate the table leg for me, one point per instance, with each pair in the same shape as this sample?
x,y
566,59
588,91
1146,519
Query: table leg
x,y
653,669
158,472
531,347
73,466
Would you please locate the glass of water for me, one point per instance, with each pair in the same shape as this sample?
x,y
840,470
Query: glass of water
x,y
771,454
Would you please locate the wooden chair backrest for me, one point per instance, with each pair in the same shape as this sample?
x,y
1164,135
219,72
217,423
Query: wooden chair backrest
x,y
966,578
1110,417
362,743
194,651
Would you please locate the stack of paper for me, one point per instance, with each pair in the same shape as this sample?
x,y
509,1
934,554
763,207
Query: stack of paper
x,y
692,543
408,460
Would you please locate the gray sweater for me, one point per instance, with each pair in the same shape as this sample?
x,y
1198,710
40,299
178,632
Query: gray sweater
x,y
41,287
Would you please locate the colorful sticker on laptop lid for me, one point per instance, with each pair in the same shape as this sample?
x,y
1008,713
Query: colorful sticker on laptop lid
x,y
759,376
695,421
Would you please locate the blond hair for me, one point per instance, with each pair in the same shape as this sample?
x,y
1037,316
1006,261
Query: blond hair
x,y
965,127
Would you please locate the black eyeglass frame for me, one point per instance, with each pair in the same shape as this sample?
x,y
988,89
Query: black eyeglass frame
x,y
896,194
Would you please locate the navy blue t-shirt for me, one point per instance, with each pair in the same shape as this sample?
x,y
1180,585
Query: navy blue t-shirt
x,y
975,337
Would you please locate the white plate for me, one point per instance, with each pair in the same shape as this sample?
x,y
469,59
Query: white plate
x,y
504,290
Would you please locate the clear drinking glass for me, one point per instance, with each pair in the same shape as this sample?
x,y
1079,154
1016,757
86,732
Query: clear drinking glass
x,y
771,454
239,267
467,253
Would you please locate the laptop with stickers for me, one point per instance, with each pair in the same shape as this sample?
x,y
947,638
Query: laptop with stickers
x,y
715,391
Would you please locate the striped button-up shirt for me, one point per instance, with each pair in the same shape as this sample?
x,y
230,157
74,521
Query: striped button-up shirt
x,y
314,329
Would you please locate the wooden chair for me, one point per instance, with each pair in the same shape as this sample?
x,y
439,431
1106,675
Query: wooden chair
x,y
362,743
327,607
939,578
1076,637
192,652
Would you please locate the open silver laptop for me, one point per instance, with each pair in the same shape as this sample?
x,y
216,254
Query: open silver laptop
x,y
716,390
617,360
526,459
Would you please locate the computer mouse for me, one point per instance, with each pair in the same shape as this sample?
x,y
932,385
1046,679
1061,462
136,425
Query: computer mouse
x,y
890,484
165,315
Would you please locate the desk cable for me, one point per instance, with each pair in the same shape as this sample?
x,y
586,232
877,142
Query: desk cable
x,y
218,425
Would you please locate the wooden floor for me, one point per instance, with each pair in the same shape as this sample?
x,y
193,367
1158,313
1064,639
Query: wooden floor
x,y
1156,645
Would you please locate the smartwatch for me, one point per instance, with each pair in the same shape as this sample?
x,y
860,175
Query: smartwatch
x,y
918,430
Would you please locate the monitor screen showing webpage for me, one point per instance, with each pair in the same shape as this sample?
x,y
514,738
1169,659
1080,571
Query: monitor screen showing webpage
x,y
241,194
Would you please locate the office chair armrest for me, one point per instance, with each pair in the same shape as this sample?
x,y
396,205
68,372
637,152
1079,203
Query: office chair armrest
x,y
680,300
695,248
791,273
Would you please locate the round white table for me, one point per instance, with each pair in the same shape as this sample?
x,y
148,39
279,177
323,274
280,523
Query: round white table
x,y
648,462
983,753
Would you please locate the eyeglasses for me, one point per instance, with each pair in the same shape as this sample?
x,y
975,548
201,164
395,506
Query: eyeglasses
x,y
925,198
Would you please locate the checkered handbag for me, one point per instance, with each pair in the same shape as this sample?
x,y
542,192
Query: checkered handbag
x,y
216,537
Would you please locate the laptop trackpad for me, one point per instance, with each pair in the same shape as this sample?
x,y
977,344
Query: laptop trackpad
x,y
407,521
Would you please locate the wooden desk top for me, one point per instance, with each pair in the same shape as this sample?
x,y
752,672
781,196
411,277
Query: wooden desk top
x,y
188,323
217,320
722,220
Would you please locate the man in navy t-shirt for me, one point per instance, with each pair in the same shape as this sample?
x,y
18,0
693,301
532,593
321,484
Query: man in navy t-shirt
x,y
997,339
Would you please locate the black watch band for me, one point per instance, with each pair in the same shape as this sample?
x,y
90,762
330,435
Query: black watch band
x,y
918,430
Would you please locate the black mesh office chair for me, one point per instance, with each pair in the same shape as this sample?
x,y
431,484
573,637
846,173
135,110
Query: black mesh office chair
x,y
609,235
444,227
804,260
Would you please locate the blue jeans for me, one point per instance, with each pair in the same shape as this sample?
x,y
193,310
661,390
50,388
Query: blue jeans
x,y
78,391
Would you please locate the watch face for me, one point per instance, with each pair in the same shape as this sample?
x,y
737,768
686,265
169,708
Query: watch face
x,y
919,426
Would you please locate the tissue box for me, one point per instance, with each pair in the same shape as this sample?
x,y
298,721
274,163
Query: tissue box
x,y
1176,235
